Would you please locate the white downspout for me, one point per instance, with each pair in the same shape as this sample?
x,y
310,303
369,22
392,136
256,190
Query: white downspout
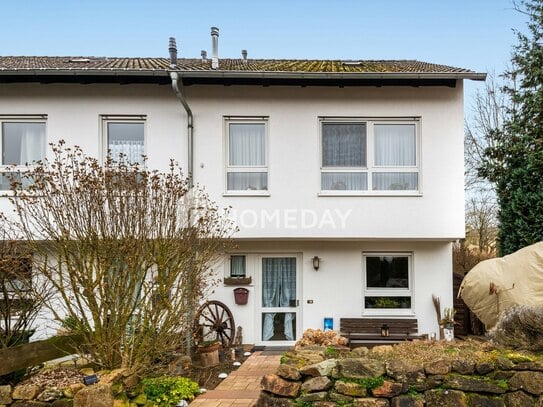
x,y
190,126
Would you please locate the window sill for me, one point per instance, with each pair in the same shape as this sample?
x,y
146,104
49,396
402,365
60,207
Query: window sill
x,y
370,194
246,193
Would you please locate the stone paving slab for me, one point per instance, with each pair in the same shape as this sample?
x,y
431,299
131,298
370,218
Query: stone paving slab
x,y
242,387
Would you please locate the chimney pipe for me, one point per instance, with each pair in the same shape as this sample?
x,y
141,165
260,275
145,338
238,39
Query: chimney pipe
x,y
214,47
244,55
172,48
203,53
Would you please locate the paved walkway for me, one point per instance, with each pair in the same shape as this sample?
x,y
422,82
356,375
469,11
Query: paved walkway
x,y
242,387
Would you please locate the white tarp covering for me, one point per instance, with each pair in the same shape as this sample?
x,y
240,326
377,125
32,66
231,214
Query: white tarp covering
x,y
516,278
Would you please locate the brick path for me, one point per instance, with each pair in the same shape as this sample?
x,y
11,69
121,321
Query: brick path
x,y
242,387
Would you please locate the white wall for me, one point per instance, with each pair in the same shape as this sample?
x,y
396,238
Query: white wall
x,y
336,289
73,114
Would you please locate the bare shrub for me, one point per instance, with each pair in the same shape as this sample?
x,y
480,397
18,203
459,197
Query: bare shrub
x,y
520,327
128,250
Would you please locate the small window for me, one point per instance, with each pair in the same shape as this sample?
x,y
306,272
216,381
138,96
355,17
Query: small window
x,y
15,282
247,168
379,156
23,143
238,266
124,139
387,282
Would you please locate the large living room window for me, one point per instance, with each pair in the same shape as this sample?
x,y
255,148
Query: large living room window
x,y
246,156
369,156
387,283
124,138
23,143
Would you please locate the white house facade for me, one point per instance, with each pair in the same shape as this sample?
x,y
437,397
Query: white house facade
x,y
344,177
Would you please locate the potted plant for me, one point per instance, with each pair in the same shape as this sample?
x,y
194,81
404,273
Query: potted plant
x,y
208,346
447,322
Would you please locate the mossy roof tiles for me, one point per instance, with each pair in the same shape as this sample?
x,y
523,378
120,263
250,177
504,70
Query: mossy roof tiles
x,y
90,64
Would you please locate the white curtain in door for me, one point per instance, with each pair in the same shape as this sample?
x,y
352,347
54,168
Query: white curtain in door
x,y
278,290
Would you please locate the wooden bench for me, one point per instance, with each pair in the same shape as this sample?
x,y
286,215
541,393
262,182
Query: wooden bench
x,y
368,330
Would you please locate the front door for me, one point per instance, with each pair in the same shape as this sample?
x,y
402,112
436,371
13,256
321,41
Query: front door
x,y
279,317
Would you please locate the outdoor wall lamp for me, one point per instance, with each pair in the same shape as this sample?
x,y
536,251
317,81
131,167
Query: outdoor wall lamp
x,y
316,262
384,330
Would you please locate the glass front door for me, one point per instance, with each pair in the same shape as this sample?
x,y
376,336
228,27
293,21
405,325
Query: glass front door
x,y
279,302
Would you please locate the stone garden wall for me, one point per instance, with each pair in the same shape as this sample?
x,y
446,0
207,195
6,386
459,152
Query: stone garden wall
x,y
362,379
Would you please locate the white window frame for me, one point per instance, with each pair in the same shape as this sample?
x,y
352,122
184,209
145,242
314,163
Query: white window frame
x,y
105,119
370,167
388,292
8,168
229,266
227,120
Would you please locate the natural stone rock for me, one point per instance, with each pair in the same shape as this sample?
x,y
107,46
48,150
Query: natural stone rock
x,y
360,368
504,363
50,394
97,395
389,389
316,384
303,358
63,403
131,381
30,403
341,398
279,386
475,384
407,401
445,398
437,367
350,389
532,382
115,376
26,392
371,402
361,351
72,389
323,368
320,396
539,402
429,383
535,366
484,367
478,400
121,403
501,375
324,404
288,372
5,394
463,366
267,400
401,371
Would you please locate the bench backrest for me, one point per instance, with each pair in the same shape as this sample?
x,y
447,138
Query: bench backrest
x,y
373,325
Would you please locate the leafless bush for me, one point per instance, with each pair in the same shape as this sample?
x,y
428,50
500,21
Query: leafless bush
x,y
128,250
520,327
22,298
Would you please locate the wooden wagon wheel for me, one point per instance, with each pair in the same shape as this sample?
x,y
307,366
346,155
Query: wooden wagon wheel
x,y
214,321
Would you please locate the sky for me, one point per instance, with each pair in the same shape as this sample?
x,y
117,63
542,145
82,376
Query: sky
x,y
474,34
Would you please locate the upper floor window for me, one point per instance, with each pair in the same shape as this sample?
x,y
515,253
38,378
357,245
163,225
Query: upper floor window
x,y
23,143
124,138
247,164
369,155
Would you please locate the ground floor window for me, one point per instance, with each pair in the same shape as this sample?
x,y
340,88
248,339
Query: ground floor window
x,y
387,283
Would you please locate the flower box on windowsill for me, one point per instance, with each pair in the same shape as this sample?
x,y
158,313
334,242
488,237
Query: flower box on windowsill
x,y
237,280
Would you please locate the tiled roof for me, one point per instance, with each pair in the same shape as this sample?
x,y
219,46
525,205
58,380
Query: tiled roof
x,y
91,64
